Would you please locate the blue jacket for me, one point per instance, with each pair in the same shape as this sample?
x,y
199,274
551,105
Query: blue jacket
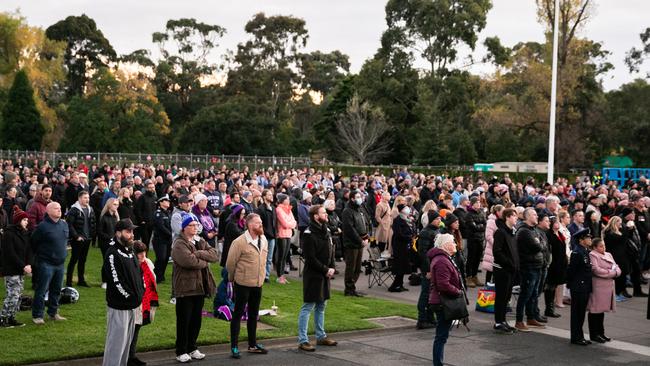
x,y
49,241
303,216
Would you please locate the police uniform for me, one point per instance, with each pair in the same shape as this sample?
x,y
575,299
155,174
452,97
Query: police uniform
x,y
579,282
162,239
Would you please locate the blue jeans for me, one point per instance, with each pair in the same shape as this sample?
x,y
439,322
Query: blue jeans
x,y
424,313
269,257
319,320
50,278
442,334
528,294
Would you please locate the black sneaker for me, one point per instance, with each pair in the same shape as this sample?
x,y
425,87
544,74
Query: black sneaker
x,y
502,329
12,323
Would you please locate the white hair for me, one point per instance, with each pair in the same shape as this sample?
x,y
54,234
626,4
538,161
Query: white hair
x,y
443,239
329,203
552,199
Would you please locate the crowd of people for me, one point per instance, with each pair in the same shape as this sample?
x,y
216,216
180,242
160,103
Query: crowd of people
x,y
581,243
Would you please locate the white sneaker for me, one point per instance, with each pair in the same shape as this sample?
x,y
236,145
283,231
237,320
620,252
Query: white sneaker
x,y
184,358
173,301
197,355
104,285
38,321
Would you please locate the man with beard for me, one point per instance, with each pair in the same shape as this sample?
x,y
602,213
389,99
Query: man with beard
x,y
36,212
246,265
319,269
124,291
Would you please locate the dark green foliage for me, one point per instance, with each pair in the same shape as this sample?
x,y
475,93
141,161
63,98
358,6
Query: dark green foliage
x,y
85,44
20,127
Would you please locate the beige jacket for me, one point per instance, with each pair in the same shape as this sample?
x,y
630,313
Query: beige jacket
x,y
246,264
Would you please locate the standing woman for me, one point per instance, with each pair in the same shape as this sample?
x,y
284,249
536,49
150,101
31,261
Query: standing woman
x,y
234,228
490,229
602,299
108,218
126,209
193,282
445,280
556,275
16,261
617,247
401,242
286,225
564,219
384,221
334,225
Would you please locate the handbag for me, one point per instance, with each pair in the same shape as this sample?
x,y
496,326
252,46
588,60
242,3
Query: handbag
x,y
454,308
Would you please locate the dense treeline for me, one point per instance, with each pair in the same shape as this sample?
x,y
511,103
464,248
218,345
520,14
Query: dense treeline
x,y
65,88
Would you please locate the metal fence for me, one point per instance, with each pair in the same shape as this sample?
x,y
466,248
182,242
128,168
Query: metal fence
x,y
182,160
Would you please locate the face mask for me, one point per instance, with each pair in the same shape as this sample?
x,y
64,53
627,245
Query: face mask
x,y
358,201
406,211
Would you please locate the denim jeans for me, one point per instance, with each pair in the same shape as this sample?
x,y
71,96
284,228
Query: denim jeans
x,y
442,333
319,320
50,278
425,314
269,257
528,294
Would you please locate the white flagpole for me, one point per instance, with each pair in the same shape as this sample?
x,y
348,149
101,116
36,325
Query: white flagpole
x,y
551,130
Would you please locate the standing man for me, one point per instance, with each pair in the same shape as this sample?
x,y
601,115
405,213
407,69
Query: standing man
x,y
355,238
506,266
36,212
531,260
162,237
318,251
49,243
269,221
145,207
81,222
426,240
579,282
124,291
246,266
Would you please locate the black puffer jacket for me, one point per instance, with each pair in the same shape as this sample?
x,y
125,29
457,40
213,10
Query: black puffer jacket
x,y
76,223
355,226
426,238
506,254
530,248
145,207
16,251
475,222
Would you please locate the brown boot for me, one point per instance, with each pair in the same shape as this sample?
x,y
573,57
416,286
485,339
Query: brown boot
x,y
478,282
470,282
306,347
326,342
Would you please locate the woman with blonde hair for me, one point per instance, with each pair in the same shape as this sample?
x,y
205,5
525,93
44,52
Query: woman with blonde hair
x,y
424,217
126,209
617,246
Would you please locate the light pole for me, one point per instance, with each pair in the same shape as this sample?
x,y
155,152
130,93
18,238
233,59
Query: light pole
x,y
551,129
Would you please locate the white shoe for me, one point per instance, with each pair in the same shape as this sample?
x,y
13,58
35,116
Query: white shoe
x,y
197,355
184,358
173,301
38,321
104,285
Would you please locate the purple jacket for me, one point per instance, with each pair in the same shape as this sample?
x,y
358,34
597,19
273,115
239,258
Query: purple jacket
x,y
445,278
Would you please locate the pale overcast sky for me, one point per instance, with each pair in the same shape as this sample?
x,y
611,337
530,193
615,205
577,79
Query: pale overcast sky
x,y
352,26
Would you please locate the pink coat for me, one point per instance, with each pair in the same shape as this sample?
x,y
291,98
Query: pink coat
x,y
604,270
286,223
490,229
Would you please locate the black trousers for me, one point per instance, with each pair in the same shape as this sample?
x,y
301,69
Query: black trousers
x,y
188,323
78,255
397,282
474,256
635,275
596,324
146,233
619,283
352,268
134,342
578,309
244,295
163,250
503,290
281,252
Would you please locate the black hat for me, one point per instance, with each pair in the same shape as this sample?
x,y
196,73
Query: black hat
x,y
400,207
432,215
626,211
124,224
184,199
450,219
581,234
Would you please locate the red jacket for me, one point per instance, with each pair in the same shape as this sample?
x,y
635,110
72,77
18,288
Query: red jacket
x,y
150,297
36,212
445,278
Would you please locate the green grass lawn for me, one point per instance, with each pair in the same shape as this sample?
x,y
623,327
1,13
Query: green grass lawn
x,y
82,335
